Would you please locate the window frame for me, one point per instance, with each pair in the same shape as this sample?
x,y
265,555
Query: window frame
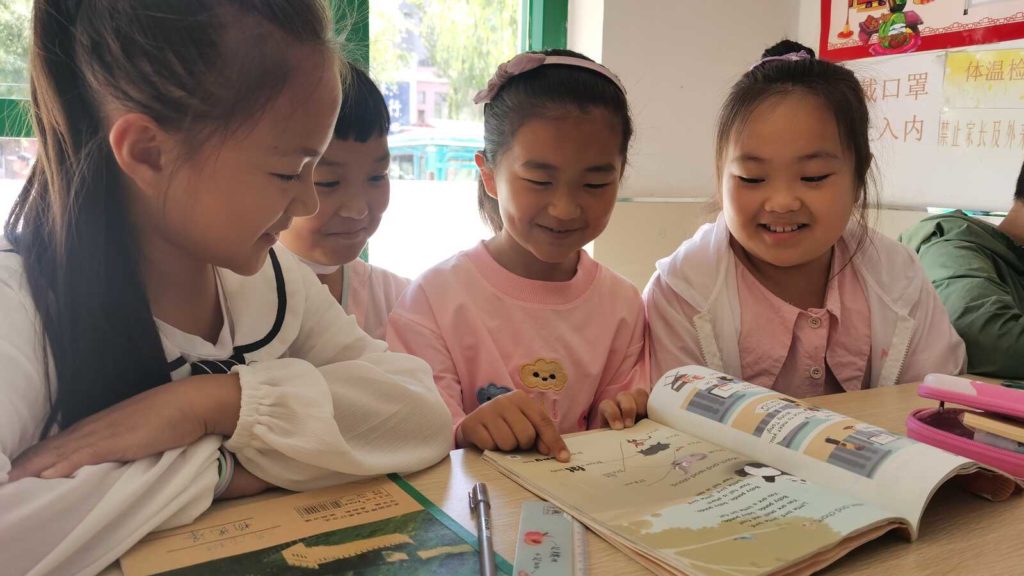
x,y
546,24
14,118
545,27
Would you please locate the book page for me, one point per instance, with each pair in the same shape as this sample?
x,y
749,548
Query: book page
x,y
690,504
369,527
891,471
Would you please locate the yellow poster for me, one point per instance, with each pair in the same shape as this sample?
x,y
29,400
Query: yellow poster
x,y
989,79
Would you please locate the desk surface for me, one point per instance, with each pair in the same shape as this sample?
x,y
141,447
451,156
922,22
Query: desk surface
x,y
958,531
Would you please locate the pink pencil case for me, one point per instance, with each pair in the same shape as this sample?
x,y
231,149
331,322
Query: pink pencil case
x,y
942,427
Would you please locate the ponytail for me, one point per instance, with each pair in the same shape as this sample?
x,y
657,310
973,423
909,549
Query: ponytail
x,y
184,66
70,225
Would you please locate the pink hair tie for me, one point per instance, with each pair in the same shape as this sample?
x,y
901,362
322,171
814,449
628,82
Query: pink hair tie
x,y
791,57
528,61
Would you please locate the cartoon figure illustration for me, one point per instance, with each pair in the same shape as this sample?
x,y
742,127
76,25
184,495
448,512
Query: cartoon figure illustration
x,y
883,438
683,464
877,435
655,448
716,397
868,5
721,386
638,443
894,33
681,379
723,390
856,447
490,392
898,31
774,406
764,472
544,374
843,444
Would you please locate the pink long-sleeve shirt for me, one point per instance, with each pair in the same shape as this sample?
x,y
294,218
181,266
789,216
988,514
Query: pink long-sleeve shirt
x,y
486,331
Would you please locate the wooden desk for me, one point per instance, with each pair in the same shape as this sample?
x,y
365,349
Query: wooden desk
x,y
958,533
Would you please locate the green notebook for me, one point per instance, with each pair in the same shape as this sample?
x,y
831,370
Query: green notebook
x,y
380,527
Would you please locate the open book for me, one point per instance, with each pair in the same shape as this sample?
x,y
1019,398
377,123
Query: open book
x,y
730,478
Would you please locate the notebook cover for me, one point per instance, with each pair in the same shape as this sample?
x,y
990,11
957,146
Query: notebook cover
x,y
1004,400
994,425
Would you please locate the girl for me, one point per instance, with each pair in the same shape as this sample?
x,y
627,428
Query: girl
x,y
353,189
789,288
150,335
527,335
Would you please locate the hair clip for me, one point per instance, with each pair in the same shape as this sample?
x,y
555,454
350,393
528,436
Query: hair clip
x,y
528,61
791,57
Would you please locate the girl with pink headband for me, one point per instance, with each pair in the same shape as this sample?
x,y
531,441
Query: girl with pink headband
x,y
530,338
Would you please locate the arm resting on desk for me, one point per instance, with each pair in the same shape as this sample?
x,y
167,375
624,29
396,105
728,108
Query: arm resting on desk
x,y
340,407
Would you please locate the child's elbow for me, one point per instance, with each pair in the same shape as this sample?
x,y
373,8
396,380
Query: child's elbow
x,y
441,414
437,428
424,418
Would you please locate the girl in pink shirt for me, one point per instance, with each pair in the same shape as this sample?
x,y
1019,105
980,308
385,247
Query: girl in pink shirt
x,y
353,189
790,288
527,335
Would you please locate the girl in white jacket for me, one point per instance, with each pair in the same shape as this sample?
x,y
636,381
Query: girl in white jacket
x,y
156,352
789,288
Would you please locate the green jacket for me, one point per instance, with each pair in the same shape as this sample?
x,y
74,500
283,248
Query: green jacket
x,y
979,274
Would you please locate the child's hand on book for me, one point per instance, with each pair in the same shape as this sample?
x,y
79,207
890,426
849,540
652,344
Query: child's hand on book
x,y
625,409
512,421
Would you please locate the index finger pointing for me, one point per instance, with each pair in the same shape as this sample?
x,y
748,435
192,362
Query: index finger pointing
x,y
546,431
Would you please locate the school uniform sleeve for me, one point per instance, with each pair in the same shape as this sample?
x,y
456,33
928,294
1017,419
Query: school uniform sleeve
x,y
339,408
412,329
934,346
632,370
980,306
672,336
78,525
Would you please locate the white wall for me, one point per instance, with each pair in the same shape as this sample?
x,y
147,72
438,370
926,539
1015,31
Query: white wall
x,y
586,27
678,60
809,24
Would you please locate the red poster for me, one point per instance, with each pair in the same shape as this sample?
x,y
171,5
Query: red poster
x,y
853,29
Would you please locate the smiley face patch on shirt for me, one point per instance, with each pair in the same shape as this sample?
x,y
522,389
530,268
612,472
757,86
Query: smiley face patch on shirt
x,y
544,374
